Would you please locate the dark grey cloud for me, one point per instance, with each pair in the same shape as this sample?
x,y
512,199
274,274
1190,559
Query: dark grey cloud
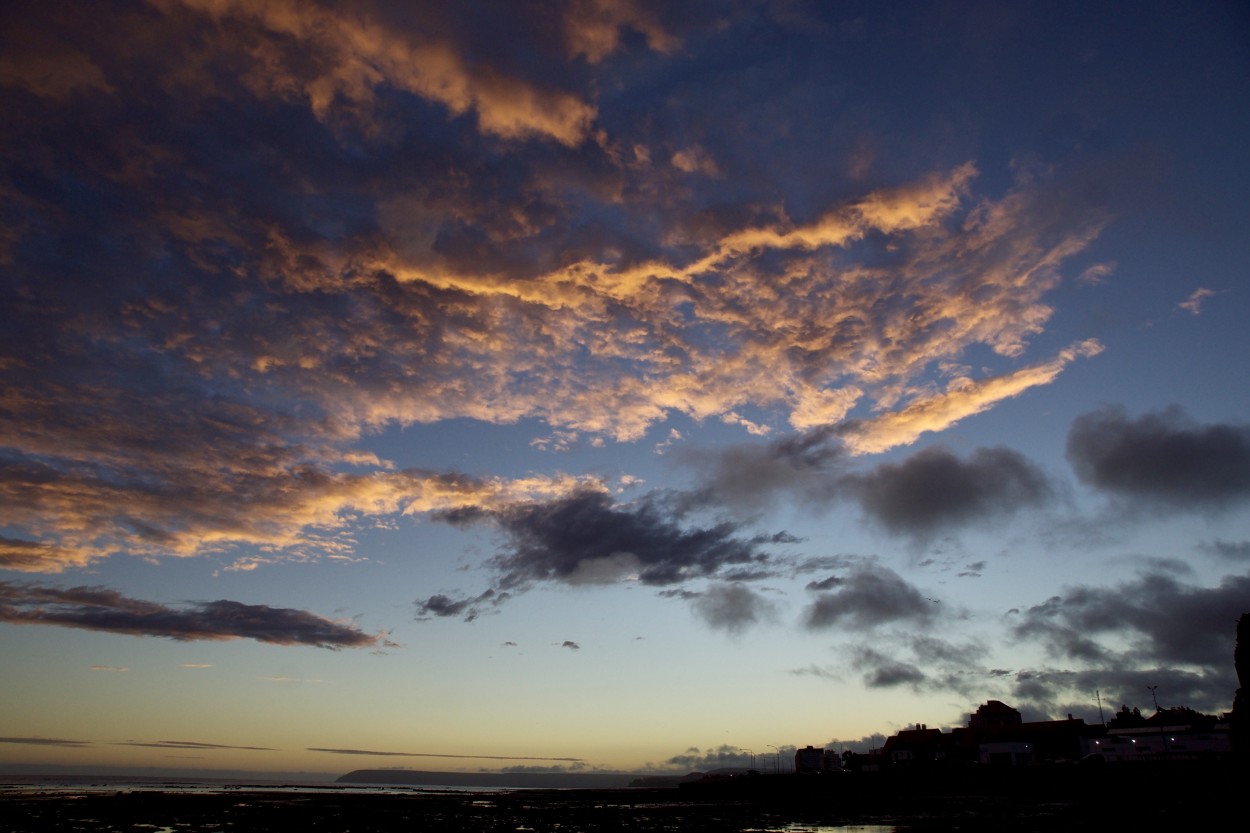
x,y
1162,458
45,741
101,609
732,607
869,595
440,605
883,671
1152,630
571,645
933,489
1233,550
588,538
1166,621
1046,692
920,662
801,467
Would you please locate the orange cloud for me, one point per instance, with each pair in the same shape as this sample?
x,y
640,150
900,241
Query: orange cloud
x,y
593,28
964,398
359,54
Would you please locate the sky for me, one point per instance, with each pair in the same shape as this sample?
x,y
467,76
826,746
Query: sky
x,y
596,385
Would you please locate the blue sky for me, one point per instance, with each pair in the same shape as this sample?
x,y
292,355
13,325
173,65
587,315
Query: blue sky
x,y
613,385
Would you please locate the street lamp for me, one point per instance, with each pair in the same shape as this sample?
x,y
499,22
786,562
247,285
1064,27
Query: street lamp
x,y
777,764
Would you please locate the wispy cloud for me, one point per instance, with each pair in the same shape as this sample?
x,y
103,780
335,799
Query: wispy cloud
x,y
190,744
37,741
101,609
367,752
1193,304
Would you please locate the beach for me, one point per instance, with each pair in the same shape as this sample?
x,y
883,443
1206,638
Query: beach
x,y
1192,801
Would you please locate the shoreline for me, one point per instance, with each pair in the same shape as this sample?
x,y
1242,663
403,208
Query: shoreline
x,y
1024,802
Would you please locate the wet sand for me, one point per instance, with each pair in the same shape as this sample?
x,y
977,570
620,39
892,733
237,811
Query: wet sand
x,y
1074,802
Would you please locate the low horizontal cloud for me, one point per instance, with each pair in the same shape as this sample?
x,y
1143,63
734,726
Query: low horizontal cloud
x,y
387,754
188,744
101,609
934,489
1163,458
725,756
37,741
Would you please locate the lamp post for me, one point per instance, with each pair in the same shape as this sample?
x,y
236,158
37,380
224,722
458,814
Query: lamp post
x,y
777,763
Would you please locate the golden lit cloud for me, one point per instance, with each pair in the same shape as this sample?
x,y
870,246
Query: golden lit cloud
x,y
592,28
357,55
963,398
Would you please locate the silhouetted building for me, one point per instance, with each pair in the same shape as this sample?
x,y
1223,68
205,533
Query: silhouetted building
x,y
920,745
994,713
995,735
809,759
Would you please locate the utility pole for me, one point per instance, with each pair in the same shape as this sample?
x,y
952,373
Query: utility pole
x,y
1101,717
1153,689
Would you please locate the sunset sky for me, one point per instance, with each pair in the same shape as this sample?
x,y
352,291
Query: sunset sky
x,y
613,385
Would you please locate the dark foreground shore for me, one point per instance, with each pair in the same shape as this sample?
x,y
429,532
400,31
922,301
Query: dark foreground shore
x,y
1070,801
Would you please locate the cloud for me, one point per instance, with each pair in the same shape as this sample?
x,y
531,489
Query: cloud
x,y
187,744
1233,550
370,752
881,671
1161,458
45,741
120,669
1193,304
571,645
433,754
963,398
592,28
587,538
1152,626
207,383
933,489
919,662
349,60
732,608
695,759
440,605
870,595
100,609
803,466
